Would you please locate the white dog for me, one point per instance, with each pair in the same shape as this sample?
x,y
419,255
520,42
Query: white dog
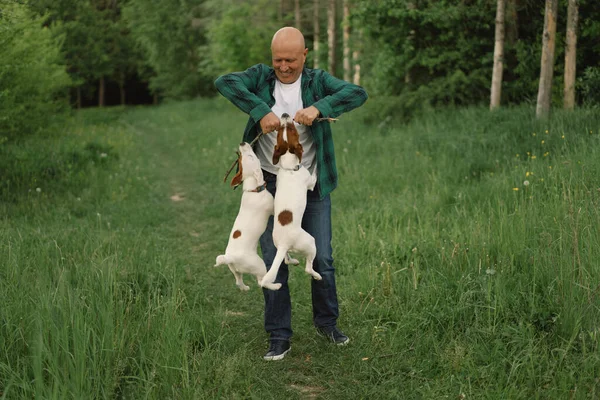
x,y
255,209
293,181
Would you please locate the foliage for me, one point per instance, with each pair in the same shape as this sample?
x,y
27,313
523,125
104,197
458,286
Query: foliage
x,y
88,34
33,80
425,48
426,44
169,34
590,86
231,44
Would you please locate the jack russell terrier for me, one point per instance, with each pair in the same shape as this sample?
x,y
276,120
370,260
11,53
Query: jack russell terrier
x,y
255,209
293,180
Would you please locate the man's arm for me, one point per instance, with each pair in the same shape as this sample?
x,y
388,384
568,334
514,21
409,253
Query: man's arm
x,y
341,96
240,89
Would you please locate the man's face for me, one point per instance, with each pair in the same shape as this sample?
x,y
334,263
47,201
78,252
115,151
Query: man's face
x,y
288,61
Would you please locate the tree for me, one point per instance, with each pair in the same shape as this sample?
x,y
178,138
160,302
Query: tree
x,y
570,54
496,90
331,32
33,79
346,41
171,34
356,61
231,46
547,61
316,33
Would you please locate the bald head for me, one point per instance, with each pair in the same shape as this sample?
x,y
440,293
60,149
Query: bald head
x,y
289,36
288,54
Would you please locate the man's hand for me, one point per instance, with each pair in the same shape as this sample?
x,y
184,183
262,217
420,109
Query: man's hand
x,y
306,116
269,123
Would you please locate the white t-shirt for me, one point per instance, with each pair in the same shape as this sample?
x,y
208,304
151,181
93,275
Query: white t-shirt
x,y
288,99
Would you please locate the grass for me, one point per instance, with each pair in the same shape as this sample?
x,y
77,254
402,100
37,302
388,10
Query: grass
x,y
456,278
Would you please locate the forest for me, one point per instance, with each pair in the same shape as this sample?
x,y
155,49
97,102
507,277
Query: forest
x,y
412,55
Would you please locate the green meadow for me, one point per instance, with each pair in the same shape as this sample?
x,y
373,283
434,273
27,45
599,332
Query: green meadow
x,y
466,243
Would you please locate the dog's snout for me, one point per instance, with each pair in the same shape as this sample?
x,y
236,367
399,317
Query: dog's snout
x,y
285,115
242,143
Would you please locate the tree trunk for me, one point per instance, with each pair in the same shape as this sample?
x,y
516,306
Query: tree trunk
x,y
78,96
297,15
570,54
101,92
496,90
355,58
547,62
317,31
346,44
331,36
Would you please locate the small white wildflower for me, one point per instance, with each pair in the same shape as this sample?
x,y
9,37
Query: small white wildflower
x,y
39,190
525,183
345,150
490,271
103,155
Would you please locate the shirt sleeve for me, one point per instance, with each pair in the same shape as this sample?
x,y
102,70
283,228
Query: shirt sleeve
x,y
340,96
240,88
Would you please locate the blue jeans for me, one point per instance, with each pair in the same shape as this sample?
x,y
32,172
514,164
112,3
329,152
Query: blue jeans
x,y
278,306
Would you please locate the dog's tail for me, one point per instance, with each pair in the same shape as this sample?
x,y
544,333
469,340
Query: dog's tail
x,y
222,260
268,281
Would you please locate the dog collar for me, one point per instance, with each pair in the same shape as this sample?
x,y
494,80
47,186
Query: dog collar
x,y
259,188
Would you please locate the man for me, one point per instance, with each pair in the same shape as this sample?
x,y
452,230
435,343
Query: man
x,y
265,93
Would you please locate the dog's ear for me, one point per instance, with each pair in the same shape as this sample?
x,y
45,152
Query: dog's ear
x,y
237,179
277,152
298,150
281,147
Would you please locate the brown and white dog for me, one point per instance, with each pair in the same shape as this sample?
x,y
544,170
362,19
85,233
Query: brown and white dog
x,y
255,209
293,181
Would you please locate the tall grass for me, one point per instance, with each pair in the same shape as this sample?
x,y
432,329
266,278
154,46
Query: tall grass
x,y
466,248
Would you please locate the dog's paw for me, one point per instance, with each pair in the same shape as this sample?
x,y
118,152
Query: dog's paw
x,y
244,288
316,276
273,286
270,286
292,261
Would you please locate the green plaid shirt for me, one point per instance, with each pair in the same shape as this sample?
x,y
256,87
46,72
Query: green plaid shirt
x,y
252,92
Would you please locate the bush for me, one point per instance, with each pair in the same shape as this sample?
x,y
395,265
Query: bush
x,y
47,165
590,86
33,80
